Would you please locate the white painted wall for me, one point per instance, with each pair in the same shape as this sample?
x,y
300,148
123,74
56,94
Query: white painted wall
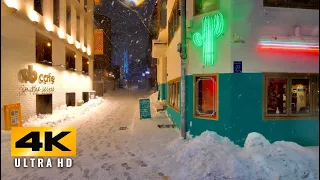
x,y
18,51
161,70
252,21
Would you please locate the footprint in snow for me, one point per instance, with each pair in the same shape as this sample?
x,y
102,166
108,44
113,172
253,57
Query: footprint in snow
x,y
125,165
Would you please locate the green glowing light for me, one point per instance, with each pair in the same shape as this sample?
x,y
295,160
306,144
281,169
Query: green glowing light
x,y
197,39
212,28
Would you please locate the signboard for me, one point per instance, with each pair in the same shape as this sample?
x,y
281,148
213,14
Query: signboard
x,y
98,41
237,66
145,112
12,116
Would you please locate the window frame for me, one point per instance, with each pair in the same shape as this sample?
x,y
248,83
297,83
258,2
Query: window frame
x,y
201,14
195,114
174,95
42,37
310,95
41,9
173,21
68,20
66,60
87,60
56,13
266,96
313,85
291,5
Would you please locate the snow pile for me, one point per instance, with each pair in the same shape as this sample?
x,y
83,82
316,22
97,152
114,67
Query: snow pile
x,y
210,156
63,114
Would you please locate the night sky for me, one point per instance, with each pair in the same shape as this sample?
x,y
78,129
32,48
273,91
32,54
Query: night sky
x,y
126,24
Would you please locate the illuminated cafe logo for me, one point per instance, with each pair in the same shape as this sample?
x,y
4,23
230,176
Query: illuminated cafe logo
x,y
30,75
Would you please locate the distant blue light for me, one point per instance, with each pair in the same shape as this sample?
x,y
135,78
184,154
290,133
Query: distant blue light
x,y
143,74
147,72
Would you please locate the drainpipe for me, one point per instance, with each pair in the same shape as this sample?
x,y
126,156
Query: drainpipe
x,y
182,48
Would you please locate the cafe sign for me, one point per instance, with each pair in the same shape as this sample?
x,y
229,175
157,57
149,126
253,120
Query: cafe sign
x,y
30,75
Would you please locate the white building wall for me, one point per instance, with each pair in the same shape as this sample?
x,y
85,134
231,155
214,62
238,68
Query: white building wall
x,y
18,42
252,21
173,56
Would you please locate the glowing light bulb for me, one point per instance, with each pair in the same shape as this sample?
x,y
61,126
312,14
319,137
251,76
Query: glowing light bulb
x,y
33,16
12,3
84,49
49,26
70,40
77,45
89,51
48,44
61,34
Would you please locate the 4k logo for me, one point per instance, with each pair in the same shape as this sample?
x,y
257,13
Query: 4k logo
x,y
43,141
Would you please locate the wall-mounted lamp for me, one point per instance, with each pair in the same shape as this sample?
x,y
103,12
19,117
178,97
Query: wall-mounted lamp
x,y
49,26
89,51
77,45
33,16
70,40
61,34
84,49
13,4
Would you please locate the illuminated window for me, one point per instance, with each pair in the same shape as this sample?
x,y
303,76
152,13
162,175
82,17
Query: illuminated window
x,y
37,6
70,60
277,95
291,95
68,19
85,65
56,12
206,97
301,4
43,49
174,21
174,94
204,6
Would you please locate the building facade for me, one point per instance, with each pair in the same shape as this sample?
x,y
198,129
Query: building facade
x,y
46,58
103,62
252,66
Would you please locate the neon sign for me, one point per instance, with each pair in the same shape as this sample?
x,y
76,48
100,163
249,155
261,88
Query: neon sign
x,y
289,46
212,28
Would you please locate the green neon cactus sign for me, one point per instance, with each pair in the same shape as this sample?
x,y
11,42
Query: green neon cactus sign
x,y
212,27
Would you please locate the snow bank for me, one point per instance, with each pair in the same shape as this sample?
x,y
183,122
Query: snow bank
x,y
210,156
63,114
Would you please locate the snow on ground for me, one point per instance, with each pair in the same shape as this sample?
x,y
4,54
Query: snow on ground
x,y
144,151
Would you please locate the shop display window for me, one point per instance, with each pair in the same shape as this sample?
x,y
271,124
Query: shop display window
x,y
277,95
174,94
291,95
70,60
43,49
206,97
85,65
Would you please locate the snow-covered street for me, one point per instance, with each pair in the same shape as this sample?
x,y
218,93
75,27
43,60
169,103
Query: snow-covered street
x,y
143,151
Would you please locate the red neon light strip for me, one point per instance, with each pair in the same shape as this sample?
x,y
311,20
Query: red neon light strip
x,y
288,48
